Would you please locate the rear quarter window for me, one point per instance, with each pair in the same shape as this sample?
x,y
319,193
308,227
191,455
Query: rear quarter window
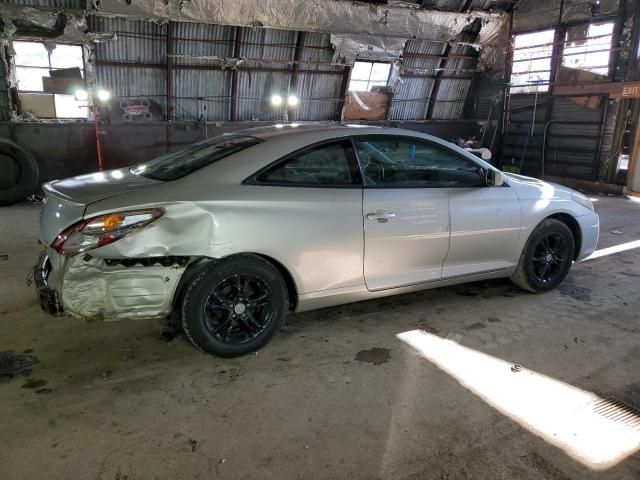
x,y
183,162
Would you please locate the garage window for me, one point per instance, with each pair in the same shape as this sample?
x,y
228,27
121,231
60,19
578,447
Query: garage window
x,y
366,75
532,62
588,47
47,79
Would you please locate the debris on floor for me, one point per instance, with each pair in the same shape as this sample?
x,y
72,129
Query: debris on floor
x,y
193,444
169,335
13,363
34,384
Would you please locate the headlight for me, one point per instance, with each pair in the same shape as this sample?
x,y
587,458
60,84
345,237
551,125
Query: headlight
x,y
102,230
582,200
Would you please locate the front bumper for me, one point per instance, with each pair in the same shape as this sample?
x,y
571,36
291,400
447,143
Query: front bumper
x,y
590,227
98,289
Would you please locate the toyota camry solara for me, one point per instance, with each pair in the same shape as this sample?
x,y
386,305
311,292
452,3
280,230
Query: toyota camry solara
x,y
230,234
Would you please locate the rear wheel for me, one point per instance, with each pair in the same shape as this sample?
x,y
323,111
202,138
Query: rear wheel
x,y
547,257
235,306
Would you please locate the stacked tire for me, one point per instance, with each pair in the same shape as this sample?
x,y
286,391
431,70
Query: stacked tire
x,y
18,173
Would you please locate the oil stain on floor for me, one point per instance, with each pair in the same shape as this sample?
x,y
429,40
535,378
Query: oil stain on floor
x,y
375,355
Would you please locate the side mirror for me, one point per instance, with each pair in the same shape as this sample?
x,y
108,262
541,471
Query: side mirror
x,y
494,178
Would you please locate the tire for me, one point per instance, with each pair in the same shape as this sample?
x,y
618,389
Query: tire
x,y
18,173
235,306
546,258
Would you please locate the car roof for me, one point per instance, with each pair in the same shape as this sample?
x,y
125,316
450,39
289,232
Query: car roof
x,y
318,129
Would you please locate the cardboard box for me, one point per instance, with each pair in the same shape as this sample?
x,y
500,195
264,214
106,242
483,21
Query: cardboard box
x,y
39,105
66,85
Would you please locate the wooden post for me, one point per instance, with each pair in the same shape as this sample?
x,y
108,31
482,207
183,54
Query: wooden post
x,y
346,75
633,174
233,115
169,85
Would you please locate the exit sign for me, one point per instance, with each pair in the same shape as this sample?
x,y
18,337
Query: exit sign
x,y
629,90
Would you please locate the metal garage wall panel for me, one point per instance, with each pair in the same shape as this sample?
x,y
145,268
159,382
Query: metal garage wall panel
x,y
319,94
423,46
128,82
268,44
200,40
413,94
451,97
518,130
70,4
410,99
571,148
202,94
138,44
565,109
569,156
137,41
458,5
453,92
317,48
255,90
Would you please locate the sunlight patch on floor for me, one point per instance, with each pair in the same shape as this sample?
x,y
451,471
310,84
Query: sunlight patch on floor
x,y
567,417
623,247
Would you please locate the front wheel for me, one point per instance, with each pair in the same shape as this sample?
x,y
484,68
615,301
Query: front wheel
x,y
547,257
235,306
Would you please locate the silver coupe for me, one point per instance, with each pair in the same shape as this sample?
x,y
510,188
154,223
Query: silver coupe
x,y
230,234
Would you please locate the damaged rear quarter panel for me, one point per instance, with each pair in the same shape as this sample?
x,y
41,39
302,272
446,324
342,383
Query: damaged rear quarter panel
x,y
91,289
186,229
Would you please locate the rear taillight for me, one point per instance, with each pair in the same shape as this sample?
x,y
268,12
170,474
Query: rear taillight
x,y
102,230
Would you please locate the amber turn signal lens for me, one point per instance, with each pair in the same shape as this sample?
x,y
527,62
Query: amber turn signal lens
x,y
112,221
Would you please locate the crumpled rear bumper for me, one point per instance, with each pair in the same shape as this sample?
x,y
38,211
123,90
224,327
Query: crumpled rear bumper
x,y
98,289
47,297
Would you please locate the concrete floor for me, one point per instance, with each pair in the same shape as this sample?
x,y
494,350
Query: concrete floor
x,y
336,395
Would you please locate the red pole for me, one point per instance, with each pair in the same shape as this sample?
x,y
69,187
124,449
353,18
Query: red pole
x,y
97,130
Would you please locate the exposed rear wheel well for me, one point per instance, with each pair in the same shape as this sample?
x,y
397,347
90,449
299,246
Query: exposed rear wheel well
x,y
573,225
288,280
194,267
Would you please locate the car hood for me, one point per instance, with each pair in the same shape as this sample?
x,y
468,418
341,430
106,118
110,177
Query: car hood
x,y
86,189
529,187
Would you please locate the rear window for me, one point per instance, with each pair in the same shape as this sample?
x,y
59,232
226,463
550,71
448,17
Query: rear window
x,y
183,162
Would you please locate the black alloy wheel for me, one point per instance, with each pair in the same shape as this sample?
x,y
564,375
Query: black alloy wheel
x,y
234,306
549,257
546,258
238,309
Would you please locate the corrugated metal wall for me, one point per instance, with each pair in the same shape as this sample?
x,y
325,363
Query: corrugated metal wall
x,y
411,100
4,97
199,87
320,93
573,138
69,4
132,65
135,65
201,93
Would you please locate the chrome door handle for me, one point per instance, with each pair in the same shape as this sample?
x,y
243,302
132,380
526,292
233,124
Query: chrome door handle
x,y
382,216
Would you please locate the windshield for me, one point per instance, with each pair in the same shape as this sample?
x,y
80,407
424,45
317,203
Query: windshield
x,y
183,162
